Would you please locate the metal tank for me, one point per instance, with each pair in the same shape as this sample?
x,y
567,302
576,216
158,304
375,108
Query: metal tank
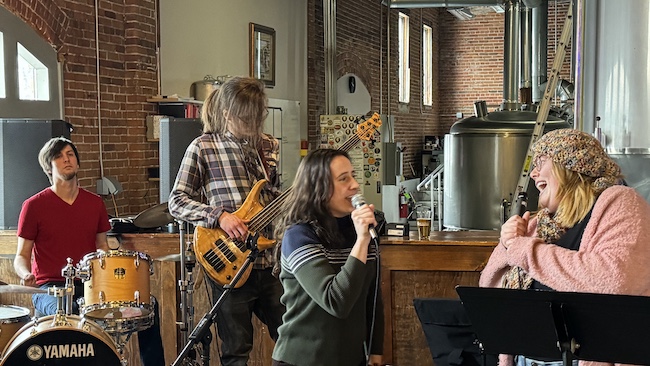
x,y
483,159
613,99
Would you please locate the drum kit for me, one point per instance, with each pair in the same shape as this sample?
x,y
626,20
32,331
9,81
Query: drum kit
x,y
116,303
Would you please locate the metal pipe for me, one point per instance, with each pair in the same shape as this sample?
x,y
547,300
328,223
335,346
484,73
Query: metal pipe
x,y
99,93
388,71
381,62
329,25
480,109
438,4
526,47
579,49
511,56
540,51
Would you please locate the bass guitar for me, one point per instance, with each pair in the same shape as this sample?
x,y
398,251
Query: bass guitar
x,y
221,257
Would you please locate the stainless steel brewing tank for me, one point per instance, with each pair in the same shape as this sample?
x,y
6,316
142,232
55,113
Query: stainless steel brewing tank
x,y
483,159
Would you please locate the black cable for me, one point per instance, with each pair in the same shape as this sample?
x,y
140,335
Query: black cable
x,y
374,303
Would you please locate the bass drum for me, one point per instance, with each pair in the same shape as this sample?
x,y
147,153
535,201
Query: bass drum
x,y
70,341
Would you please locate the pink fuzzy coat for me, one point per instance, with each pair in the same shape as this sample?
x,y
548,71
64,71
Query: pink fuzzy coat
x,y
614,254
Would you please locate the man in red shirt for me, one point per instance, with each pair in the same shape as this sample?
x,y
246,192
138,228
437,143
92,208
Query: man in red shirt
x,y
66,221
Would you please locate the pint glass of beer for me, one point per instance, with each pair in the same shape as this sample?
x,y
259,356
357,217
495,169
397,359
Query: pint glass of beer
x,y
424,224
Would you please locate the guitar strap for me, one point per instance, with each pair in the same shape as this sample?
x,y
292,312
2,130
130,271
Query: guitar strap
x,y
263,163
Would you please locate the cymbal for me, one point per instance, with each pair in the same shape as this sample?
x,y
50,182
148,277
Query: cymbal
x,y
176,257
155,216
18,289
170,257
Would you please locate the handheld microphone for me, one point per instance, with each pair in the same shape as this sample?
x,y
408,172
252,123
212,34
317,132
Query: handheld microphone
x,y
522,203
358,201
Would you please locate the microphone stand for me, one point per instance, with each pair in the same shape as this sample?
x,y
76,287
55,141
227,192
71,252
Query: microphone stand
x,y
202,331
186,286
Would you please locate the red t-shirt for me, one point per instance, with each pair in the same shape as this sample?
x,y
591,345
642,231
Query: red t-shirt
x,y
60,230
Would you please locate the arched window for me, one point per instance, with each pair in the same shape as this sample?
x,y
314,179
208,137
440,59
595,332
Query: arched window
x,y
29,72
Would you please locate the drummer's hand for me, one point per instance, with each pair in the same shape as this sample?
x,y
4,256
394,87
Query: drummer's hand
x,y
233,226
28,280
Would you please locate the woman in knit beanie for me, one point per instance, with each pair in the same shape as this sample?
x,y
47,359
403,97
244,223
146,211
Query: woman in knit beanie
x,y
589,235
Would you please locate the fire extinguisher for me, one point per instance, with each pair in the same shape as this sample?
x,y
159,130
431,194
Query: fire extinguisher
x,y
403,204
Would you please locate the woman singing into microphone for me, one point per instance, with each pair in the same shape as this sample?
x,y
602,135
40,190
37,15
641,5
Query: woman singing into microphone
x,y
328,269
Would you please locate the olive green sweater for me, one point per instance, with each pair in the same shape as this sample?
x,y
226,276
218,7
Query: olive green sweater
x,y
330,298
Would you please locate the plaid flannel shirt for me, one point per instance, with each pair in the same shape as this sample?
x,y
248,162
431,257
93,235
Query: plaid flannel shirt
x,y
216,175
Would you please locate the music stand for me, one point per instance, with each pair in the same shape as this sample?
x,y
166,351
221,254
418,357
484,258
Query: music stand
x,y
449,333
560,325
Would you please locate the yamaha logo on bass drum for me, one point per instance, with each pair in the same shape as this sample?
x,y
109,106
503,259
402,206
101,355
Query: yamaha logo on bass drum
x,y
35,352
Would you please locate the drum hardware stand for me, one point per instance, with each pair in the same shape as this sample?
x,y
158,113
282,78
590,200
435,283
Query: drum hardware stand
x,y
186,286
202,331
64,295
69,272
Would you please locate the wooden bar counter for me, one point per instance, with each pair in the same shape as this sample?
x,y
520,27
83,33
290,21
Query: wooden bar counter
x,y
409,269
425,268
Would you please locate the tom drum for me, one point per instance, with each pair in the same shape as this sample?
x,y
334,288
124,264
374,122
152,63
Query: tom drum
x,y
12,318
116,287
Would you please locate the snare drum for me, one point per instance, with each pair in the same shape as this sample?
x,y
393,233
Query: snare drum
x,y
12,318
72,341
117,285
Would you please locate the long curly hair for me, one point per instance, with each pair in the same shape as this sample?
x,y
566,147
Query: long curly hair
x,y
308,201
238,106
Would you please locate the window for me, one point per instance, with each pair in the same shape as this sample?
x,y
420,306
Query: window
x,y
427,65
404,71
3,93
32,76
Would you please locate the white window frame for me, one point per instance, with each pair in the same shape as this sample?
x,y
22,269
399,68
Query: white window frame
x,y
404,69
427,65
3,91
33,82
48,105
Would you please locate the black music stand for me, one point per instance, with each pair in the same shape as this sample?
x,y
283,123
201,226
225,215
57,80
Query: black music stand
x,y
449,333
560,325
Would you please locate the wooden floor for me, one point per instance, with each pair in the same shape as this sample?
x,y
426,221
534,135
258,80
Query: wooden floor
x,y
410,269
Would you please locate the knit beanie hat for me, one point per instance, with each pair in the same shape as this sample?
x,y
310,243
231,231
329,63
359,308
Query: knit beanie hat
x,y
579,152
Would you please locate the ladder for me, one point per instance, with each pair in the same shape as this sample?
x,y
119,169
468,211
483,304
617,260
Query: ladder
x,y
542,113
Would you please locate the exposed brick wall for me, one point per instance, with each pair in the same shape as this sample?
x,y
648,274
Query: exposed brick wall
x,y
362,49
469,62
127,54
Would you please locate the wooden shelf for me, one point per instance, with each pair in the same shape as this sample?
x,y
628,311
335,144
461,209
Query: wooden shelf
x,y
165,99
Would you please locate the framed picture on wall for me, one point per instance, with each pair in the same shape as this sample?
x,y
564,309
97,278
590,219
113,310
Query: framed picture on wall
x,y
262,53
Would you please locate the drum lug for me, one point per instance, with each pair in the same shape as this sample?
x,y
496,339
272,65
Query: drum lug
x,y
102,262
137,262
85,326
136,296
84,272
102,297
